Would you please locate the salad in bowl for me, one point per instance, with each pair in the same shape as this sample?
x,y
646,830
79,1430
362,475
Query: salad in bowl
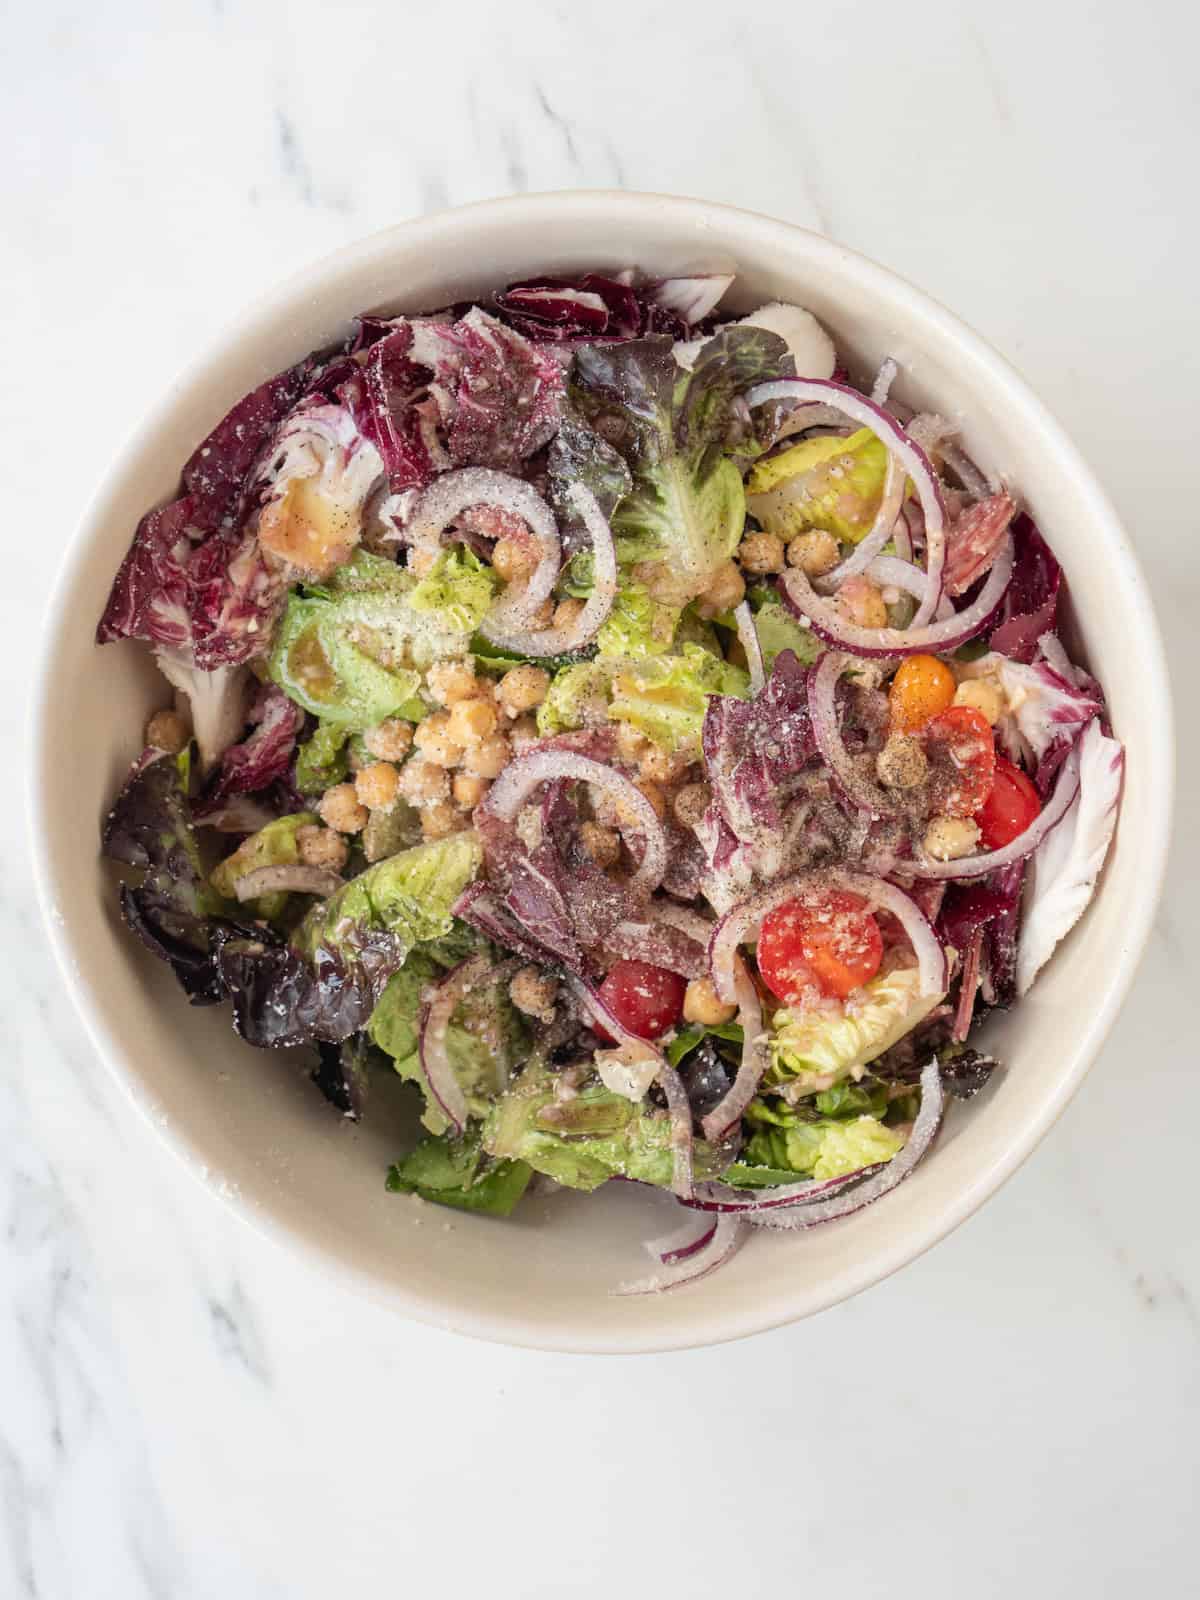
x,y
607,716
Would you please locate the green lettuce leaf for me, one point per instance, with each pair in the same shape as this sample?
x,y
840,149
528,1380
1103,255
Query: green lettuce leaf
x,y
456,1172
665,697
637,625
799,1149
459,588
687,507
688,1039
829,482
778,630
321,760
583,1142
824,1045
272,846
578,697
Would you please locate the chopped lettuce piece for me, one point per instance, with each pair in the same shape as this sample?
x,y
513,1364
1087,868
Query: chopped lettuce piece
x,y
353,650
272,846
459,588
778,630
828,482
584,1141
637,625
484,1041
690,1038
813,1049
578,697
409,895
455,1172
687,507
665,697
824,1149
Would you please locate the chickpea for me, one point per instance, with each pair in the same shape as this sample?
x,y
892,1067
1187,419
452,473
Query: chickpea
x,y
652,792
600,844
340,808
432,738
761,553
522,688
630,743
522,731
449,681
814,552
423,783
901,764
439,819
534,993
949,838
390,740
543,617
468,790
167,731
726,589
321,847
691,803
983,695
861,603
567,613
377,786
489,757
471,720
702,1004
421,562
513,559
663,766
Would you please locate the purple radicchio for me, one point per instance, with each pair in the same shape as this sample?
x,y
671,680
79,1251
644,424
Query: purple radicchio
x,y
262,760
591,307
1030,605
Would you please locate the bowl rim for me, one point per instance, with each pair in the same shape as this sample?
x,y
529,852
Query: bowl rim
x,y
731,1322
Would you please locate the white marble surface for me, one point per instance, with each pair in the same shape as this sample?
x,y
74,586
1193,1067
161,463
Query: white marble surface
x,y
184,1411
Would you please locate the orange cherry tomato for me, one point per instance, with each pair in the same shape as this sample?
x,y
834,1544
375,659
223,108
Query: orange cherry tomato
x,y
961,750
922,687
1010,808
834,942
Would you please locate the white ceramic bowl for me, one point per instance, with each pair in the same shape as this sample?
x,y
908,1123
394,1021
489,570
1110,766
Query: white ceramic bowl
x,y
261,1137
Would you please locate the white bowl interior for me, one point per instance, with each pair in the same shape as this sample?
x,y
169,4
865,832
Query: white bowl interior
x,y
247,1120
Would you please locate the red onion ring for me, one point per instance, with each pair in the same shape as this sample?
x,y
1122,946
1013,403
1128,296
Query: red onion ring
x,y
929,1120
728,1110
433,1022
897,442
720,1197
1065,790
884,379
908,577
562,641
691,299
742,923
858,789
296,878
875,643
681,1242
748,635
726,1238
678,1105
449,495
523,775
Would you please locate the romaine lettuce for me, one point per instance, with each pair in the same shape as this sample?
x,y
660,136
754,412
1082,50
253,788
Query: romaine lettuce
x,y
272,846
458,589
827,482
790,1147
665,697
456,1172
813,1049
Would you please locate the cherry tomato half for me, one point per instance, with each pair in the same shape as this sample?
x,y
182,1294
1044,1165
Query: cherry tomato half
x,y
1010,808
961,749
645,999
834,942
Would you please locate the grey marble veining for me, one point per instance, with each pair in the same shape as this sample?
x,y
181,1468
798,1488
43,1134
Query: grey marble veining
x,y
185,1411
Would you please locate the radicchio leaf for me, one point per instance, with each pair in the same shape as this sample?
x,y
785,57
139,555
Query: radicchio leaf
x,y
1030,604
587,307
260,760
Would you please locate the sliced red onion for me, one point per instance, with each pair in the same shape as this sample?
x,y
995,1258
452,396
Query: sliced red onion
x,y
898,444
720,1197
522,776
1056,808
938,637
573,636
741,924
882,530
642,940
685,919
884,380
434,1021
725,1239
681,1242
924,1129
968,984
678,1105
748,635
727,1113
451,494
904,575
288,879
968,474
902,537
692,299
858,788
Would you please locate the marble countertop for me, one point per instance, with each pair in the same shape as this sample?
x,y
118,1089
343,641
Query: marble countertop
x,y
186,1412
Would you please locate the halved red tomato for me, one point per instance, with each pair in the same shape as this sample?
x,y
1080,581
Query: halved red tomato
x,y
645,999
961,749
1010,808
833,941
